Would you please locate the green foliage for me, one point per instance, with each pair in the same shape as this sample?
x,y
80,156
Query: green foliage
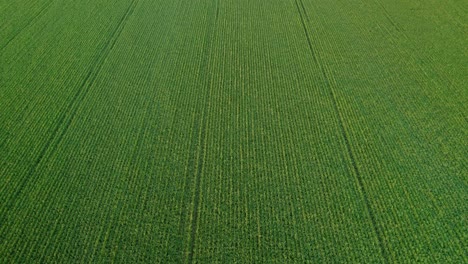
x,y
233,131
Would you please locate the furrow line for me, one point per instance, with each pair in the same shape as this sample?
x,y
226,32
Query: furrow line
x,y
389,18
202,133
217,11
358,175
304,10
411,200
191,148
196,201
440,74
345,136
314,55
33,19
56,136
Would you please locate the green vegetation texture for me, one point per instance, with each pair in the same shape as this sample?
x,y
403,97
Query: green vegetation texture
x,y
233,131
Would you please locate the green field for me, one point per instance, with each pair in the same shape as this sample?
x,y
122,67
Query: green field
x,y
234,131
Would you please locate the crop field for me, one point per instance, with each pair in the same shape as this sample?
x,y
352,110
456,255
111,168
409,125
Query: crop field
x,y
234,131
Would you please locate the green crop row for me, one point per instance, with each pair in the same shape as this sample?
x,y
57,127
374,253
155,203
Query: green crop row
x,y
296,131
